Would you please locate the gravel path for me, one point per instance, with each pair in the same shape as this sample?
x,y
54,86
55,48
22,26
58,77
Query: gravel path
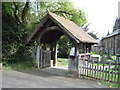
x,y
46,78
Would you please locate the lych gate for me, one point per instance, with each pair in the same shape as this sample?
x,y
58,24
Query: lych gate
x,y
51,28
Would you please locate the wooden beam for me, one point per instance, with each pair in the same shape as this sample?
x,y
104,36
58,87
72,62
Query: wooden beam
x,y
65,30
38,28
53,28
48,29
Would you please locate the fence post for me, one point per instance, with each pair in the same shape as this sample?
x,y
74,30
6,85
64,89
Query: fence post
x,y
38,56
118,60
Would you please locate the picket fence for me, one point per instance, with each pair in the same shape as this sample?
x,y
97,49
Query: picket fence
x,y
99,69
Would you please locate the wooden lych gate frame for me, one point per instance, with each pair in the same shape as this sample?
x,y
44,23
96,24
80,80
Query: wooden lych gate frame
x,y
52,27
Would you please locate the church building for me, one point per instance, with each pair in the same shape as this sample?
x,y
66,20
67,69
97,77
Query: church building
x,y
111,42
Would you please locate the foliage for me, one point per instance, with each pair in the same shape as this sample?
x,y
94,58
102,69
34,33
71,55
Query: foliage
x,y
110,84
94,52
64,46
92,34
19,66
19,20
65,9
15,33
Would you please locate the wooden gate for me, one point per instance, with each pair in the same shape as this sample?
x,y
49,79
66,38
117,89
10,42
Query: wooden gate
x,y
43,58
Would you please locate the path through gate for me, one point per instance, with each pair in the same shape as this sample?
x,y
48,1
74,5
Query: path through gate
x,y
43,58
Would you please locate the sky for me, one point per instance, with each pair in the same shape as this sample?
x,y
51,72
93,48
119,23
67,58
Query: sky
x,y
101,14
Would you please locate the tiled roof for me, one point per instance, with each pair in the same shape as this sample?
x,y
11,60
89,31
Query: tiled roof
x,y
74,30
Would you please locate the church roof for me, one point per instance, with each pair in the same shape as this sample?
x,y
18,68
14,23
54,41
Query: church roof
x,y
116,28
117,24
67,26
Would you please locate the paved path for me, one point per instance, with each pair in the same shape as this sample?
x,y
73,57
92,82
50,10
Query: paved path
x,y
46,78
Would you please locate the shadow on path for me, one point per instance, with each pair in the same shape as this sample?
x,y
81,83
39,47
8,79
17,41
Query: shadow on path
x,y
53,77
46,72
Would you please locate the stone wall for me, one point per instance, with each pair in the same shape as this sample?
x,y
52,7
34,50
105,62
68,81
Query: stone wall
x,y
112,44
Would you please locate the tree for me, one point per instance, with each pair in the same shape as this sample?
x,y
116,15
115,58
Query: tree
x,y
14,33
20,20
93,35
86,29
66,10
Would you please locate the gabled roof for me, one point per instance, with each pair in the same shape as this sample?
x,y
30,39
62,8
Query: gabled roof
x,y
68,26
117,24
113,33
116,29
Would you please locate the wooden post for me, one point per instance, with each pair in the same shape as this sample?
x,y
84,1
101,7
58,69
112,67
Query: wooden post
x,y
55,53
38,56
86,48
83,48
53,49
89,48
118,60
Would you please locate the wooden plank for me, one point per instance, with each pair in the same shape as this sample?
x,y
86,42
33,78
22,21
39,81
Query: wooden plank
x,y
87,69
112,79
103,71
105,74
97,68
84,67
118,67
90,71
95,72
118,74
115,71
92,68
109,71
100,73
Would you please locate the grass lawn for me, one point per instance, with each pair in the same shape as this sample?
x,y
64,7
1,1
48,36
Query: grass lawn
x,y
113,56
100,64
17,66
111,85
62,61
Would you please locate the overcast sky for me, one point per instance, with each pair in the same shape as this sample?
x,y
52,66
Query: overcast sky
x,y
101,14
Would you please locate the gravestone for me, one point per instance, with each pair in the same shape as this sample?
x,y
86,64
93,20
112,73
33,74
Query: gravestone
x,y
109,54
103,59
95,58
118,57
